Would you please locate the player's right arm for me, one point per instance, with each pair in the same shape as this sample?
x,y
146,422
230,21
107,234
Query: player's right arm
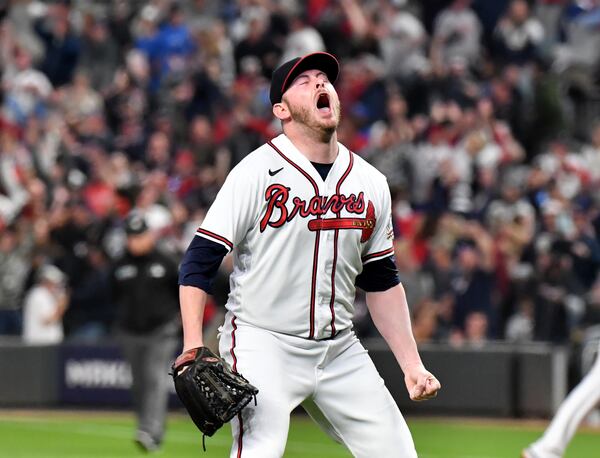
x,y
226,224
196,274
192,301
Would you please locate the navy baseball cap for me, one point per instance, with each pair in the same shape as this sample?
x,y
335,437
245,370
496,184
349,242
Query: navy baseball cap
x,y
284,74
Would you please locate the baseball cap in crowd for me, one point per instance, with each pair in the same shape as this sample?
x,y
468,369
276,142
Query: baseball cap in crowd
x,y
284,74
135,223
52,274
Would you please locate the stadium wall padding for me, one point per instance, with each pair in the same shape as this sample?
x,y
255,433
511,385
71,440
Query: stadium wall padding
x,y
497,380
30,375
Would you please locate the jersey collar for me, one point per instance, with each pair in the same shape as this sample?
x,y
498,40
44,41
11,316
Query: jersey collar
x,y
339,165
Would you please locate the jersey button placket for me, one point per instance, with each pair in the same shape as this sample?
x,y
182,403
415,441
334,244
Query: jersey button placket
x,y
327,250
321,300
323,313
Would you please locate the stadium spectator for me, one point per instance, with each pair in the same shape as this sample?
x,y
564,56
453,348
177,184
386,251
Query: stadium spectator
x,y
519,327
256,44
558,302
27,90
91,311
370,104
518,35
476,330
174,43
425,322
14,164
44,307
456,36
472,281
99,53
62,45
591,156
80,100
301,40
402,41
119,19
511,220
16,251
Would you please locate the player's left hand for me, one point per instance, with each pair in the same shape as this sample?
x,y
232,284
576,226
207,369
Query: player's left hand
x,y
421,384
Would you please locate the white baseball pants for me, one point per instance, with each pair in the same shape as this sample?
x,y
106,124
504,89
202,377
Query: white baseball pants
x,y
335,380
580,401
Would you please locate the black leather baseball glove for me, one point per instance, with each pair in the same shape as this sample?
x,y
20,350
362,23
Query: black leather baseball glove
x,y
210,391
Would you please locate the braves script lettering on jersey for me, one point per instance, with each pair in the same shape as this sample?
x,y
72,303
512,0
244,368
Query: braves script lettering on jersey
x,y
291,229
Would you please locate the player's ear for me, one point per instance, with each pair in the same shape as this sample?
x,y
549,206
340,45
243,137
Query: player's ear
x,y
280,111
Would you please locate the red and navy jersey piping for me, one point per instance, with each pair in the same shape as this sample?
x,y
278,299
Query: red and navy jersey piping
x,y
215,237
335,247
234,367
379,254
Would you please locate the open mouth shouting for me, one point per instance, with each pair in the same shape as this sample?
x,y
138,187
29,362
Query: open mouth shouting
x,y
323,103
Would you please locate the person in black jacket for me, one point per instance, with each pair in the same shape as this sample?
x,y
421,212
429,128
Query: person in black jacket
x,y
144,284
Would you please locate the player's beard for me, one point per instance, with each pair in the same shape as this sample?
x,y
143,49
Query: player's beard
x,y
323,127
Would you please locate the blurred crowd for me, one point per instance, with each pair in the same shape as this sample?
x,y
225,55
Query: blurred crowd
x,y
484,116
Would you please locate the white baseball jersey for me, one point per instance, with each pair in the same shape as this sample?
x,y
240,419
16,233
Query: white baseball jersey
x,y
299,241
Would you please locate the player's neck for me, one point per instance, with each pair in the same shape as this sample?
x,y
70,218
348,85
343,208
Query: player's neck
x,y
316,146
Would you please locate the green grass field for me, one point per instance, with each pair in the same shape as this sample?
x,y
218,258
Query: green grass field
x,y
50,434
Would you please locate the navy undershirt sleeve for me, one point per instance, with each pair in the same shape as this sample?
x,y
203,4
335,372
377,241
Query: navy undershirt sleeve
x,y
379,275
200,263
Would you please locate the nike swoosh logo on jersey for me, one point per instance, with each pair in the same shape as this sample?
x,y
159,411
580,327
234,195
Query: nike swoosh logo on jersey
x,y
275,172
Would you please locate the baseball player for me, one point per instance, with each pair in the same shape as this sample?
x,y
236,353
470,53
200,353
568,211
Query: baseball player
x,y
307,221
580,401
